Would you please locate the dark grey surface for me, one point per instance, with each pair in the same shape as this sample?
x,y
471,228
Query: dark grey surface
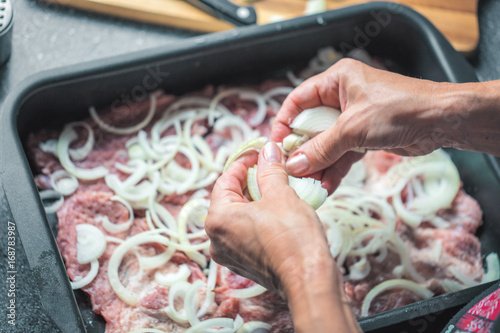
x,y
46,37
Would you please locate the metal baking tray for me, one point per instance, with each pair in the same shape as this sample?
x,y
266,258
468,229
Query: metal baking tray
x,y
242,56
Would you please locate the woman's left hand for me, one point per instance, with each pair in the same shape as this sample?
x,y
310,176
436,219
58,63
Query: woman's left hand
x,y
273,242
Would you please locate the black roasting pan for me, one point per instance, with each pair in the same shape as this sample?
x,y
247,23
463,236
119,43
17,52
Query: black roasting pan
x,y
245,55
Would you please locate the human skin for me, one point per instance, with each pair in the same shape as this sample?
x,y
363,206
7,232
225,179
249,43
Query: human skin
x,y
278,242
384,110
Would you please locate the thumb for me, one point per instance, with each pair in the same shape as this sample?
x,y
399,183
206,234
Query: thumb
x,y
271,173
320,152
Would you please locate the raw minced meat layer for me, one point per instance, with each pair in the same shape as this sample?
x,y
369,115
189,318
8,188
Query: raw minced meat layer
x,y
458,245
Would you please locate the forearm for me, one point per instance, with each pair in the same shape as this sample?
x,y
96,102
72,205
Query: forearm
x,y
471,116
317,300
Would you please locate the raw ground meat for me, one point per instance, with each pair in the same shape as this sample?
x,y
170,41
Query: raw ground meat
x,y
457,245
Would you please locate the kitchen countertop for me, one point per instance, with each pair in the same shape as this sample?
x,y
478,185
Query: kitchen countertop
x,y
50,36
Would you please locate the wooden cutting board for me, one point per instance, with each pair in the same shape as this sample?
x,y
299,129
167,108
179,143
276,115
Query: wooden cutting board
x,y
456,19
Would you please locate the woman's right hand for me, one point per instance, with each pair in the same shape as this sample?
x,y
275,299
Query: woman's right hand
x,y
380,110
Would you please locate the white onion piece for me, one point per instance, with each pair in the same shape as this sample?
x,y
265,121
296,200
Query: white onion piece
x,y
182,220
276,91
138,193
324,59
205,160
163,124
397,244
462,277
249,292
144,143
192,215
162,217
206,325
315,196
111,239
293,141
67,136
451,286
254,327
94,269
252,185
425,206
215,103
140,171
191,302
254,144
90,244
126,130
189,102
115,228
157,260
147,330
51,194
81,153
172,148
187,184
232,121
493,268
120,290
179,289
359,270
169,279
260,115
212,275
437,250
391,284
356,175
311,122
296,81
382,254
49,146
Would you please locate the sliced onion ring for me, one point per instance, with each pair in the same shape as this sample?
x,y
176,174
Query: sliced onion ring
x,y
126,130
94,269
63,182
391,284
90,244
51,194
257,143
67,136
249,292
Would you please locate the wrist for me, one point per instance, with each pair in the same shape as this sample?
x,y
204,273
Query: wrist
x,y
316,297
469,116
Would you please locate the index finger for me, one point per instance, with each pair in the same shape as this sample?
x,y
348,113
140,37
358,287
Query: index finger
x,y
321,89
230,185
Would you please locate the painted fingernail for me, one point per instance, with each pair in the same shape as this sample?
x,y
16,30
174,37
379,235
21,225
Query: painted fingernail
x,y
297,164
272,153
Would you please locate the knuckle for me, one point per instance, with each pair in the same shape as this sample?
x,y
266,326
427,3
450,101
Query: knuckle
x,y
323,152
347,64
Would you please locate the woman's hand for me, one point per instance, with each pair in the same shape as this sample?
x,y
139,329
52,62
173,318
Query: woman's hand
x,y
268,240
380,110
277,242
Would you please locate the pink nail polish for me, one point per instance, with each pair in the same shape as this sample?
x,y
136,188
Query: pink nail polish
x,y
297,164
272,153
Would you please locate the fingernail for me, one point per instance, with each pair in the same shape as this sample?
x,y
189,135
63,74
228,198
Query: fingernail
x,y
297,164
272,153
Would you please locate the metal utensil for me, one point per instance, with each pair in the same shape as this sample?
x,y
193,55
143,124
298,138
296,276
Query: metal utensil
x,y
227,11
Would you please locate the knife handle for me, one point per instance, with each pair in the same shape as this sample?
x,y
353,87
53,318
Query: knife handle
x,y
228,11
